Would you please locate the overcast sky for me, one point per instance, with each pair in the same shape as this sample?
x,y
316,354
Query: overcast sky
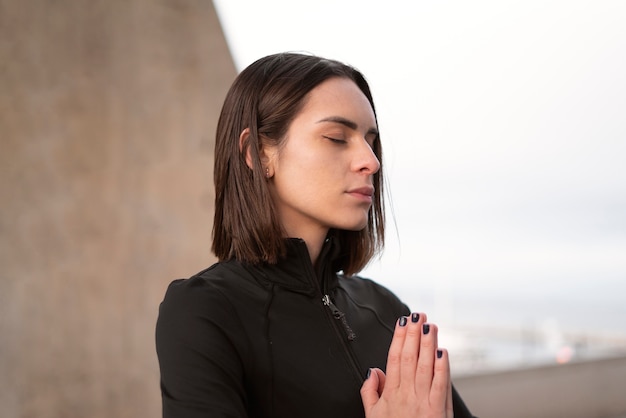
x,y
503,125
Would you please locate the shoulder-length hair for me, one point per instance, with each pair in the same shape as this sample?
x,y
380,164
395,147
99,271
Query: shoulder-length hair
x,y
265,98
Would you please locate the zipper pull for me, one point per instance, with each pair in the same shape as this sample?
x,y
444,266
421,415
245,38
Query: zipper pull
x,y
340,316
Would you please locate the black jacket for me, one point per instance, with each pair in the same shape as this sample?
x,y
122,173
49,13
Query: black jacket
x,y
282,340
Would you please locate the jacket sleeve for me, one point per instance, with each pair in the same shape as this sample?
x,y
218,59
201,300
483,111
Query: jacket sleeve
x,y
459,407
201,371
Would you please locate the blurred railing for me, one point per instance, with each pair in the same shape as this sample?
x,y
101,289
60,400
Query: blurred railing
x,y
579,389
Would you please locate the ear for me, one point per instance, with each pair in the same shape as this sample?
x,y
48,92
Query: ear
x,y
268,155
244,146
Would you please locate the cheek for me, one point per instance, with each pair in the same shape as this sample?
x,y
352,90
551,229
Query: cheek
x,y
297,164
307,169
307,182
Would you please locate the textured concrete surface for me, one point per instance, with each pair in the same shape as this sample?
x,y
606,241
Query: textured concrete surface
x,y
589,389
107,116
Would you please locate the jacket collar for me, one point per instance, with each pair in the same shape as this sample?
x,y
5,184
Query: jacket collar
x,y
296,272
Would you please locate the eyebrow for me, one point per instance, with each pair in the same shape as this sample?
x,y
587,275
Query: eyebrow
x,y
347,122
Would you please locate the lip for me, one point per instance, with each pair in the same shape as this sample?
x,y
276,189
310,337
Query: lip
x,y
364,193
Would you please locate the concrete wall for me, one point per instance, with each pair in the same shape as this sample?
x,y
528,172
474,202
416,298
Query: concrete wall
x,y
107,115
590,389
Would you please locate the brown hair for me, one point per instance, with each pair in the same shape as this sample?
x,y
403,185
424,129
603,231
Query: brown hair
x,y
265,98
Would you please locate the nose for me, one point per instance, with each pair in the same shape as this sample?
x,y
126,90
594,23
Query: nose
x,y
365,160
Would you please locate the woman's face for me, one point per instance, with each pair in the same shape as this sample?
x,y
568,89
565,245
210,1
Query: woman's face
x,y
322,173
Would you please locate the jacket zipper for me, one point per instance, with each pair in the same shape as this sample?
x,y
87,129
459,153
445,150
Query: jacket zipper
x,y
340,316
336,314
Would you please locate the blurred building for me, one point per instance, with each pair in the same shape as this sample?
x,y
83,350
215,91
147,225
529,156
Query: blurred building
x,y
107,115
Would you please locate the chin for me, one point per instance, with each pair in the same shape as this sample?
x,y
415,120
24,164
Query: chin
x,y
352,220
353,226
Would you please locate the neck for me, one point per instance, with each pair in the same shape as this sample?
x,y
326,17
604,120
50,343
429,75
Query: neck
x,y
314,243
314,250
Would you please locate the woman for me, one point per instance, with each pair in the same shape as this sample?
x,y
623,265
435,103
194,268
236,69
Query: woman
x,y
281,326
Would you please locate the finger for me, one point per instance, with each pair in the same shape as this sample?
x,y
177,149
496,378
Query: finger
x,y
381,380
395,353
449,407
449,404
425,363
441,389
372,388
411,349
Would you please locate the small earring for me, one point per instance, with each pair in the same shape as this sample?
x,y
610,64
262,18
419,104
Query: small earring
x,y
267,172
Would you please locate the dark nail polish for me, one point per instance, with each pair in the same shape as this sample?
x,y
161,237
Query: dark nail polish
x,y
439,353
426,328
369,373
402,321
415,317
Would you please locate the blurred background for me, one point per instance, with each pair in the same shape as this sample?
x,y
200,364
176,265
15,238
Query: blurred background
x,y
504,129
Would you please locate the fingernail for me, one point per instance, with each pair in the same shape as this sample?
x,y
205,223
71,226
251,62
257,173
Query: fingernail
x,y
369,373
415,317
402,321
439,353
426,328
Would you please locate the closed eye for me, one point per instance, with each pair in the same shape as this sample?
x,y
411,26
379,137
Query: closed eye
x,y
335,140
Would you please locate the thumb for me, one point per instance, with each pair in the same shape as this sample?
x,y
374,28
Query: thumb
x,y
372,388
